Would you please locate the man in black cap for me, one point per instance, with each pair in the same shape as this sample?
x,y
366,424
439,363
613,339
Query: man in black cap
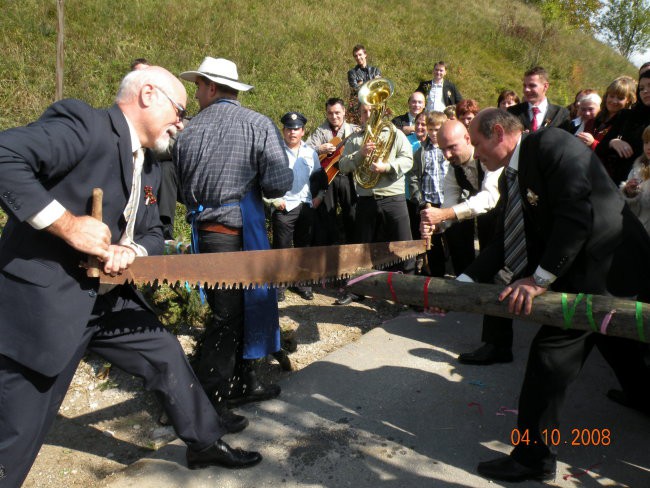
x,y
292,216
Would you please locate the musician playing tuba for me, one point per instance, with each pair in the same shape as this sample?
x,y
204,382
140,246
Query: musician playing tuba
x,y
379,157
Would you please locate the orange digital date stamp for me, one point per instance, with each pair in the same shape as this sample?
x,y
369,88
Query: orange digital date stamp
x,y
553,437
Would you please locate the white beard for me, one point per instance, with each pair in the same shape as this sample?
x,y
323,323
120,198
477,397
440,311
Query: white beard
x,y
162,148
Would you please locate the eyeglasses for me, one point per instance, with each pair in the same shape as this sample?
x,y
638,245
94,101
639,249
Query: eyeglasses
x,y
181,112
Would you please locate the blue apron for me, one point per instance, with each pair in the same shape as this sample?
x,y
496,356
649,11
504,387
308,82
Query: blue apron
x,y
261,316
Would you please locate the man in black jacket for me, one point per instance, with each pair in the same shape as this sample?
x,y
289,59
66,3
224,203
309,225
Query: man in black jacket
x,y
439,92
536,112
50,311
563,225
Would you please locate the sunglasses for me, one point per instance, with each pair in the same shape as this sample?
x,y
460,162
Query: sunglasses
x,y
181,112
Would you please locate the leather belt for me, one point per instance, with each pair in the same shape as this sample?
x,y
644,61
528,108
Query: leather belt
x,y
219,228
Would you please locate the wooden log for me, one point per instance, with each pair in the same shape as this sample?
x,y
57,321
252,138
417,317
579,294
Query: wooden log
x,y
595,313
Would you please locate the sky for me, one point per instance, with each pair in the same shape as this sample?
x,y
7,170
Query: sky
x,y
639,59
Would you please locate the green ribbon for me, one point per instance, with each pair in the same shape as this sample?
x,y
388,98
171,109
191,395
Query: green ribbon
x,y
568,314
638,315
590,314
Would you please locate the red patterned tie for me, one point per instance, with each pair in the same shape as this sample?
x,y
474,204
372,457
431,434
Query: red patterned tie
x,y
534,126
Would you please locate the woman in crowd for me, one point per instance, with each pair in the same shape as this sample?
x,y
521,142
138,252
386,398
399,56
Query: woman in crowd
x,y
507,98
622,144
466,110
637,187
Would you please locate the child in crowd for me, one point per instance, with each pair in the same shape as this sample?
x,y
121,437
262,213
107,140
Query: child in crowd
x,y
637,187
426,185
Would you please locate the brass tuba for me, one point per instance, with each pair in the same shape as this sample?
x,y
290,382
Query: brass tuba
x,y
375,93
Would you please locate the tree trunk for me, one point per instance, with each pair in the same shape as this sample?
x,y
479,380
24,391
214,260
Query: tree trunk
x,y
596,313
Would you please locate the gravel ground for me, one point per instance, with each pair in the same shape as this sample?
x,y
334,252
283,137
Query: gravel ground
x,y
107,421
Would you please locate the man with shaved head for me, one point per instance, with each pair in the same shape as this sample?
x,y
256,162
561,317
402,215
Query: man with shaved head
x,y
470,192
562,224
406,122
51,312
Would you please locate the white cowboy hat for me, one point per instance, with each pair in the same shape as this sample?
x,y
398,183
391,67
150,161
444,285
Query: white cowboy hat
x,y
218,70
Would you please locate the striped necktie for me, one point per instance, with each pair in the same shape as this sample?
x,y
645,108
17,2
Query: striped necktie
x,y
514,242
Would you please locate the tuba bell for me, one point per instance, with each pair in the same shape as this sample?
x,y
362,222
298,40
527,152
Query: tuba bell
x,y
375,93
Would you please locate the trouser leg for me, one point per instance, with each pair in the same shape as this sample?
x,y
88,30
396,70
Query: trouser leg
x,y
460,238
29,403
397,227
221,343
555,359
135,341
497,331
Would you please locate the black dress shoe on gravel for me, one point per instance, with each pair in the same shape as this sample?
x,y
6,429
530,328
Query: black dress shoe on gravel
x,y
507,469
258,393
486,354
221,454
305,294
281,295
232,422
348,298
622,398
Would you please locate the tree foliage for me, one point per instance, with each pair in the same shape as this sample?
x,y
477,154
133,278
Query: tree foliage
x,y
577,14
625,24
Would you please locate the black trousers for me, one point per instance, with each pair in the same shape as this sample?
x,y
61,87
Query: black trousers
x,y
293,229
221,344
130,337
556,357
341,193
382,220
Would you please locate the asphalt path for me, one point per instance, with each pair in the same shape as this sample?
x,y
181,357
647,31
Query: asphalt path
x,y
396,410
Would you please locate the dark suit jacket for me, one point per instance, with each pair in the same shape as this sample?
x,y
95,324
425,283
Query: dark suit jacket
x,y
45,297
576,221
450,94
556,116
401,121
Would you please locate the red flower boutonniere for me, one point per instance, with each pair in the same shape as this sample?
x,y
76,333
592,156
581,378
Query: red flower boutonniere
x,y
149,197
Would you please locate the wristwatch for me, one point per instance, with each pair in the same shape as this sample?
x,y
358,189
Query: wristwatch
x,y
539,281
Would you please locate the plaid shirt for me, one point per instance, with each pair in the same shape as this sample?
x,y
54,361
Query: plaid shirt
x,y
226,151
435,169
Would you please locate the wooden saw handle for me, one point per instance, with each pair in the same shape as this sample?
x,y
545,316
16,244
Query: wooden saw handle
x,y
93,262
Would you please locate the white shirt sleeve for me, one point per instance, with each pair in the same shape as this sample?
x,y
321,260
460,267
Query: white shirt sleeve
x,y
483,201
47,216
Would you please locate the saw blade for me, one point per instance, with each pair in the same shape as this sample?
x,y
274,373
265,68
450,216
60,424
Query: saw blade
x,y
276,267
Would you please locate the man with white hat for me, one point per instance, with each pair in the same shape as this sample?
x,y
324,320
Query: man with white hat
x,y
227,159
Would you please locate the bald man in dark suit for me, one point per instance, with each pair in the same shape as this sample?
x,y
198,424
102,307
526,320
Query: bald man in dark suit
x,y
51,312
578,236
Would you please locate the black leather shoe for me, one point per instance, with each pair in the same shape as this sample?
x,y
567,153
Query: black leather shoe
x,y
348,298
221,454
258,393
622,398
486,354
305,294
281,295
232,422
507,469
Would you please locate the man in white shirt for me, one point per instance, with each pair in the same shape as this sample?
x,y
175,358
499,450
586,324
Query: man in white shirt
x,y
439,92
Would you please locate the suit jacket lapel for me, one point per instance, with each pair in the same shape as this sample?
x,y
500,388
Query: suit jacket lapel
x,y
121,128
551,112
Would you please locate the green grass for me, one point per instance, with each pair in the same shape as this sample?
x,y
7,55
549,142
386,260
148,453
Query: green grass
x,y
295,53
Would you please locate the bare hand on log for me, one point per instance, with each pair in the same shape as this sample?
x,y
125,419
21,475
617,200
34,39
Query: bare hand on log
x,y
521,293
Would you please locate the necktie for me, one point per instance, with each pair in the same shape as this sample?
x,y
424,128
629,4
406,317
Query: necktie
x,y
131,209
534,126
514,242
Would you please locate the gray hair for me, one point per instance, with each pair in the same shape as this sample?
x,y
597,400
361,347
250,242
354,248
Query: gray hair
x,y
490,117
133,82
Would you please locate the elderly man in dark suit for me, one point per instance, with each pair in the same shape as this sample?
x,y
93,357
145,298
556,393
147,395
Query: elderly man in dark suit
x,y
50,311
536,112
564,226
439,92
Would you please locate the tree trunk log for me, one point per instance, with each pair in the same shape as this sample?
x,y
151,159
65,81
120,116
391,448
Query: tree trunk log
x,y
595,313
